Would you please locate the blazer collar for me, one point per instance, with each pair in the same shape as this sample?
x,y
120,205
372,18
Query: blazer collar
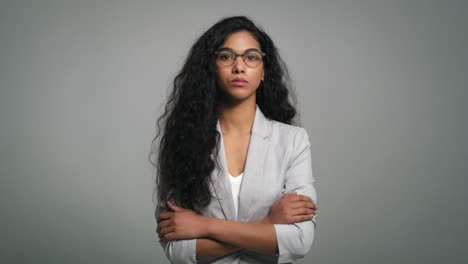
x,y
261,125
253,170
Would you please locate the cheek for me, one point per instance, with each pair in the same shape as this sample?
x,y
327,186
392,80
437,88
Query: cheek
x,y
221,74
221,78
258,76
260,72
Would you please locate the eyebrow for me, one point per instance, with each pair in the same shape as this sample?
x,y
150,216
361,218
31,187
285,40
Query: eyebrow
x,y
247,50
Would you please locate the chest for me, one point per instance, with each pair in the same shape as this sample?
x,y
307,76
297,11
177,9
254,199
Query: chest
x,y
236,149
263,162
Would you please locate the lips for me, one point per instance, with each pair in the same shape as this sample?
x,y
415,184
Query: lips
x,y
238,82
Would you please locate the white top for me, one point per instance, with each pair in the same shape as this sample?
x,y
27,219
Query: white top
x,y
235,186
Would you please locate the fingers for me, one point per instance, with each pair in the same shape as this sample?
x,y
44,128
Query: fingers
x,y
164,224
303,211
165,216
310,205
163,232
299,197
165,227
302,218
303,204
313,206
174,207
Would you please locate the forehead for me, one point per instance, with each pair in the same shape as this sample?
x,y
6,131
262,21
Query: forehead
x,y
240,41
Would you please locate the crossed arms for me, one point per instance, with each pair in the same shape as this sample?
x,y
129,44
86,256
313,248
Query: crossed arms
x,y
287,231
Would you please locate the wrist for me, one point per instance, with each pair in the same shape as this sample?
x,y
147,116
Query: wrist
x,y
266,220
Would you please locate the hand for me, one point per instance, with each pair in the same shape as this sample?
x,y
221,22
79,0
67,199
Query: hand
x,y
180,224
291,208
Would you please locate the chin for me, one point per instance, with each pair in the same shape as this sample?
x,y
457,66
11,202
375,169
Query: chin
x,y
240,96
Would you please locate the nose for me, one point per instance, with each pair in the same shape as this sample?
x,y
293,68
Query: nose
x,y
239,65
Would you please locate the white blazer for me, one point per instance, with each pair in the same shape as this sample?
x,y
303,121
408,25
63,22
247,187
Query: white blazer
x,y
278,161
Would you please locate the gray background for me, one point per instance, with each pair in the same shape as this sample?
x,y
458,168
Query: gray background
x,y
383,94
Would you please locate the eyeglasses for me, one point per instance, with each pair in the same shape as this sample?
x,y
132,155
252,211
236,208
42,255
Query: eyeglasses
x,y
227,57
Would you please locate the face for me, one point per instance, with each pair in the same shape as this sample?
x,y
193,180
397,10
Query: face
x,y
239,81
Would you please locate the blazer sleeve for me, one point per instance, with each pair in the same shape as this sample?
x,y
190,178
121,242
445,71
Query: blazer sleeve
x,y
178,251
295,240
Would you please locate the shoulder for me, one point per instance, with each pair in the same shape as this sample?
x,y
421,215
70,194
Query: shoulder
x,y
282,131
288,137
288,142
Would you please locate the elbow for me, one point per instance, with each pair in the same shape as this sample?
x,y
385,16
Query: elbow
x,y
167,246
306,240
306,246
294,241
306,234
168,252
179,252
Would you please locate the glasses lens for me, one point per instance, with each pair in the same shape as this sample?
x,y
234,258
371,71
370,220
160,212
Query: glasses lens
x,y
225,58
253,58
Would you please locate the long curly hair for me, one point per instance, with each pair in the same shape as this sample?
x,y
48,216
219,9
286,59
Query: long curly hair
x,y
184,150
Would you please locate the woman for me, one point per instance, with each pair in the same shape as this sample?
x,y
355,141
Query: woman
x,y
234,176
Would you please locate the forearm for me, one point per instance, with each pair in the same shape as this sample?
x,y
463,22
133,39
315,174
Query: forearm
x,y
258,236
209,249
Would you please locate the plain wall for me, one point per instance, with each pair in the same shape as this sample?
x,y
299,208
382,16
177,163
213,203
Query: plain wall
x,y
382,88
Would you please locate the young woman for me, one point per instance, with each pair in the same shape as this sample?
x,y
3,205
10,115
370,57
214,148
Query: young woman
x,y
234,175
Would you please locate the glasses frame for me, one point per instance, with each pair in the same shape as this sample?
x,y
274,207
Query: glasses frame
x,y
241,55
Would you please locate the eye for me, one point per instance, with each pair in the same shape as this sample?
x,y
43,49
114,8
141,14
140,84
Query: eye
x,y
252,56
225,56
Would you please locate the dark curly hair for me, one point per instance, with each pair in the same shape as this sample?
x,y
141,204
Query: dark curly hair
x,y
185,155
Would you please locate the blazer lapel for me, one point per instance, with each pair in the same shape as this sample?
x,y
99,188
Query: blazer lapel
x,y
252,178
222,184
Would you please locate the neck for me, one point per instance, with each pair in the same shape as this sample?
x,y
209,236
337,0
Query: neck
x,y
237,119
